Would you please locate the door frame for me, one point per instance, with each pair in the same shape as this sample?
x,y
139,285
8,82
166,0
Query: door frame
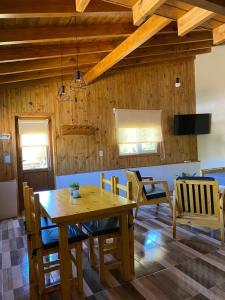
x,y
51,165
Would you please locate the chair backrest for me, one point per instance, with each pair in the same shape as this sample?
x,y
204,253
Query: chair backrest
x,y
125,188
216,173
104,182
136,185
197,196
35,215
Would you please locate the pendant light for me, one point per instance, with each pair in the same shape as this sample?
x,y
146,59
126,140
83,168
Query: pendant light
x,y
77,81
62,93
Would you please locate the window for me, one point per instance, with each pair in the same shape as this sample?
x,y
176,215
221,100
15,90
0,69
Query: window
x,y
138,131
34,144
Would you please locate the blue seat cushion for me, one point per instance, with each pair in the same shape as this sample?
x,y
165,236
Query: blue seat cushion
x,y
196,178
102,226
46,223
50,237
155,193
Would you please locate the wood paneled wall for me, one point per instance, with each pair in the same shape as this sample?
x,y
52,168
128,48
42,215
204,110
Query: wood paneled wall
x,y
145,87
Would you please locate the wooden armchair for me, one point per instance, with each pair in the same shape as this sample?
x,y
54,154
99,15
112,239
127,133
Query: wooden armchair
x,y
216,173
198,202
144,196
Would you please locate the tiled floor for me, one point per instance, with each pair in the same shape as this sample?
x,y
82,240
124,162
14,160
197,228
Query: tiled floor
x,y
192,267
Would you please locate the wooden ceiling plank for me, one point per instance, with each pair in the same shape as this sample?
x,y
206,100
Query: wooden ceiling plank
x,y
216,6
219,35
160,58
60,33
81,5
53,51
192,19
143,9
56,63
52,8
67,72
152,26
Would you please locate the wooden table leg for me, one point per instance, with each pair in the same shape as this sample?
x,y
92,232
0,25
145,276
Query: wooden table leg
x,y
125,244
131,236
65,262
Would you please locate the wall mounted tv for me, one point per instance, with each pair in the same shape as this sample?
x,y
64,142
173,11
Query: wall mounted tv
x,y
192,124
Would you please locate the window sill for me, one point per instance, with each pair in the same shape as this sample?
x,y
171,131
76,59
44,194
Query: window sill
x,y
141,155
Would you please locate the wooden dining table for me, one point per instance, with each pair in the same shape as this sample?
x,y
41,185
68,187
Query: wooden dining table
x,y
94,203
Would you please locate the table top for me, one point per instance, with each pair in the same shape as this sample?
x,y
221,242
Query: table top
x,y
60,207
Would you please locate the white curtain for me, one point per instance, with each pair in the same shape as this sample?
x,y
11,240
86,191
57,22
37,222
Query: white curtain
x,y
138,126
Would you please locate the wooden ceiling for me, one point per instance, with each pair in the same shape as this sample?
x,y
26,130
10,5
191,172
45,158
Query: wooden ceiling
x,y
41,39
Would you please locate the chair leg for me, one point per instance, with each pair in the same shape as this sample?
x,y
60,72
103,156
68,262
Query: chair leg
x,y
41,275
222,235
101,242
91,251
79,267
174,229
136,212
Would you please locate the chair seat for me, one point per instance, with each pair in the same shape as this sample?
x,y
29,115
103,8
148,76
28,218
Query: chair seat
x,y
46,223
155,193
50,237
102,226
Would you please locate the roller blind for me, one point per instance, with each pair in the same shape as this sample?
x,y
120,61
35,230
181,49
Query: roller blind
x,y
33,132
138,126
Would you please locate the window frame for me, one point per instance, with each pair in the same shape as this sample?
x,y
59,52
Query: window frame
x,y
157,153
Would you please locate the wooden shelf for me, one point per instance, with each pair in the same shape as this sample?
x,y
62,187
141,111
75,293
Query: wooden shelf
x,y
77,130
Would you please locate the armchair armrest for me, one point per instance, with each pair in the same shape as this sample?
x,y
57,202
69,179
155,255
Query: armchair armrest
x,y
163,182
147,177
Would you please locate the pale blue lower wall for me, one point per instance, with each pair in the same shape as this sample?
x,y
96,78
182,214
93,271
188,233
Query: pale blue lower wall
x,y
163,172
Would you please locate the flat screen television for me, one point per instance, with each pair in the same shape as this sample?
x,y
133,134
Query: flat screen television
x,y
192,124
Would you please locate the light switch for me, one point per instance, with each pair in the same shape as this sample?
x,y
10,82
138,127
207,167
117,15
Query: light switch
x,y
100,153
7,159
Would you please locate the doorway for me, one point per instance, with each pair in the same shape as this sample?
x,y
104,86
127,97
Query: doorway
x,y
34,155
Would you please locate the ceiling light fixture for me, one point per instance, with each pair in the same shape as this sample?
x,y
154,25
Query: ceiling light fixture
x,y
77,82
62,93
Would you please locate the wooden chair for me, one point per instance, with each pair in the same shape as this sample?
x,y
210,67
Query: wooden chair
x,y
154,195
198,202
107,233
216,173
128,191
44,242
45,222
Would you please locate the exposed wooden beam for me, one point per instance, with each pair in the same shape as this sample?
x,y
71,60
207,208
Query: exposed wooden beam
x,y
143,9
92,59
81,5
60,33
219,35
152,26
216,6
52,8
67,72
192,19
9,54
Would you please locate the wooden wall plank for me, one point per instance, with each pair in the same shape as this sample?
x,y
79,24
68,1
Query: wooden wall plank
x,y
145,87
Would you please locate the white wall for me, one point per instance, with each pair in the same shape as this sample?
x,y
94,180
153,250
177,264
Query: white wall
x,y
210,98
163,172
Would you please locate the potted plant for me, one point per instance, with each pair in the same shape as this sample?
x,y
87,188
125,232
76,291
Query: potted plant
x,y
75,192
183,174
